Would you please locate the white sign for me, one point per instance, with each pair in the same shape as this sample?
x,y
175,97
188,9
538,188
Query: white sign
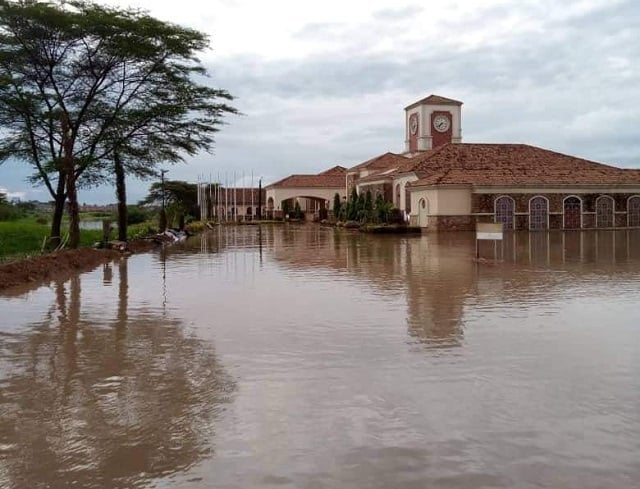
x,y
495,236
485,230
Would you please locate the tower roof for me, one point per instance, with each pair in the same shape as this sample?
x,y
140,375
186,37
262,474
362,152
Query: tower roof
x,y
434,100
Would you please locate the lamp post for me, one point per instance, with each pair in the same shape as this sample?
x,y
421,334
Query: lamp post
x,y
163,212
260,199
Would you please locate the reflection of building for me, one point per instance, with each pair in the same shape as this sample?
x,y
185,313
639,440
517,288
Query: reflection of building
x,y
314,193
441,183
437,274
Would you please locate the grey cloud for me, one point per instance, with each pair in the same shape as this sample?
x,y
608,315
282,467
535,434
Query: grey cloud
x,y
401,13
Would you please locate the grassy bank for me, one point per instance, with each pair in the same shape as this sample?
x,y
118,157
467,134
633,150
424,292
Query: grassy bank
x,y
24,238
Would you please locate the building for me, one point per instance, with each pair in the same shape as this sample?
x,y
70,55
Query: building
x,y
445,184
314,193
442,183
231,203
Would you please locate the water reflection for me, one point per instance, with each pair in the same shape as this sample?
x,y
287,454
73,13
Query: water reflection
x,y
91,400
359,361
437,273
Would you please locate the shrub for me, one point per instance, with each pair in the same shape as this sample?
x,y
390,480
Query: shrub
x,y
135,215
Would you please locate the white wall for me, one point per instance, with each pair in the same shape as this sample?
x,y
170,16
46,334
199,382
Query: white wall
x,y
280,194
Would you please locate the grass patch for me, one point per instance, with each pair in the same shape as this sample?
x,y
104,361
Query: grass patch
x,y
24,238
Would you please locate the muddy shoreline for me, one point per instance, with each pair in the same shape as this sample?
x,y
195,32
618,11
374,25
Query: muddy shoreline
x,y
62,264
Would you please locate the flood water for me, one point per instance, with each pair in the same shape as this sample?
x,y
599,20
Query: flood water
x,y
305,357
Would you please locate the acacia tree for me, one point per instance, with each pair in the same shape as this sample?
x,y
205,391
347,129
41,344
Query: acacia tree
x,y
181,198
85,87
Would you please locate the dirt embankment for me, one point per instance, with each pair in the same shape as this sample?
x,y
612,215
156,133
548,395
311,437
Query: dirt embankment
x,y
62,264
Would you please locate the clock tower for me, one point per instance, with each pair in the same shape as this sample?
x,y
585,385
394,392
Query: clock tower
x,y
432,122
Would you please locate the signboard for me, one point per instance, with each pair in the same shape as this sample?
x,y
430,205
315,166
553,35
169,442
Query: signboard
x,y
489,231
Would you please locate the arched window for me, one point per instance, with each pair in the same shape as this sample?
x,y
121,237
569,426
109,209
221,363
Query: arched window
x,y
407,199
538,214
604,212
633,211
249,211
398,196
572,209
504,212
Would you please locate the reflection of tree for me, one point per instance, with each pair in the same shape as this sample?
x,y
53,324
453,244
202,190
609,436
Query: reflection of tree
x,y
111,404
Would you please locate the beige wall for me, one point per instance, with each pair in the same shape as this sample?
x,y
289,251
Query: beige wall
x,y
442,202
402,181
280,194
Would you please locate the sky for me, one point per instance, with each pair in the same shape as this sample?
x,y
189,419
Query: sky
x,y
325,83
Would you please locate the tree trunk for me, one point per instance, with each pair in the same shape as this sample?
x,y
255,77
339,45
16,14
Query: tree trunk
x,y
121,195
58,211
74,210
72,191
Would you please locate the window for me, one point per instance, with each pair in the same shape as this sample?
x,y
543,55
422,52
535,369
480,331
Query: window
x,y
572,208
633,211
504,212
604,212
538,214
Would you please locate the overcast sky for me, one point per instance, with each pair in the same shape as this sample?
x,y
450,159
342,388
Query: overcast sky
x,y
325,83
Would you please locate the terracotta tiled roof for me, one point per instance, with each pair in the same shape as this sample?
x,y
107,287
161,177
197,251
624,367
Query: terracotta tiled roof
x,y
513,164
380,162
331,181
434,100
336,170
403,165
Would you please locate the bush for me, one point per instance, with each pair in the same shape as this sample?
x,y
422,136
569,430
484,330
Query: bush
x,y
9,212
395,216
135,215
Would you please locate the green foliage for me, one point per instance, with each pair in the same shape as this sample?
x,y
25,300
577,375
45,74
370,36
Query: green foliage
x,y
11,211
368,206
8,212
181,199
81,82
286,208
337,205
136,214
24,238
382,208
297,211
352,206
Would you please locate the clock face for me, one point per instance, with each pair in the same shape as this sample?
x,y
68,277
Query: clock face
x,y
441,123
413,124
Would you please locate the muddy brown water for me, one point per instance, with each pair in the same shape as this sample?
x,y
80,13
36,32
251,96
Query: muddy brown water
x,y
302,357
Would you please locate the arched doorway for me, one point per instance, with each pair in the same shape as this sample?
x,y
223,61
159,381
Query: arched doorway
x,y
270,206
505,211
423,213
604,212
633,211
572,212
538,213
